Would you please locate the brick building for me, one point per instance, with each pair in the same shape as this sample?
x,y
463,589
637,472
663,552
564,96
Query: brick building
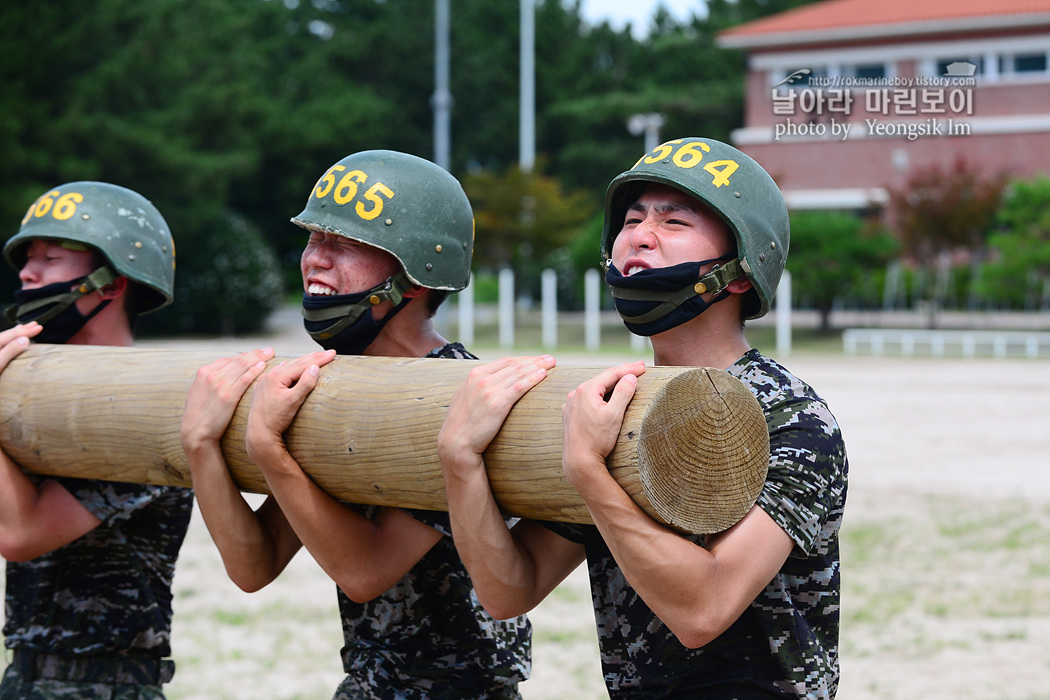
x,y
846,97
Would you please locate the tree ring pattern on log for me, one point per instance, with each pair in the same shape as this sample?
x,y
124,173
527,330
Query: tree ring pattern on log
x,y
703,451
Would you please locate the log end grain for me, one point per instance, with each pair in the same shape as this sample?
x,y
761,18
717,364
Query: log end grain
x,y
703,451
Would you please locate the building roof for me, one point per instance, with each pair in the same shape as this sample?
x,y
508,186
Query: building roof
x,y
845,20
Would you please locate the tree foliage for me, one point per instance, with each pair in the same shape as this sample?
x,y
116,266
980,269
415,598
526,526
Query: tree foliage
x,y
832,255
939,210
224,111
1019,269
522,216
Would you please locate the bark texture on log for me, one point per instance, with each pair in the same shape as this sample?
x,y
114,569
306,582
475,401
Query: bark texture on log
x,y
692,451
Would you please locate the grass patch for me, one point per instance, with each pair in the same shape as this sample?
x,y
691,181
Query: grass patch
x,y
952,559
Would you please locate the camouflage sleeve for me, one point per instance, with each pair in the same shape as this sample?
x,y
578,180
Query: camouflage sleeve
x,y
437,519
440,520
112,501
806,477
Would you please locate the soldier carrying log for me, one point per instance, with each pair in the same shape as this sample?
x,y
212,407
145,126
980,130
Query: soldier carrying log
x,y
390,235
90,563
695,241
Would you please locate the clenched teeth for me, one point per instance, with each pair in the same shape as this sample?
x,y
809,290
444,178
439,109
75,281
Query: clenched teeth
x,y
320,290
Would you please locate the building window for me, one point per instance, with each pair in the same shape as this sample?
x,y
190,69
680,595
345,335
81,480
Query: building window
x,y
867,71
1029,63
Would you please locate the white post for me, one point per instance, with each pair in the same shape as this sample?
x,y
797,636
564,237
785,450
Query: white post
x,y
891,292
639,343
506,308
440,319
549,308
592,309
783,302
466,314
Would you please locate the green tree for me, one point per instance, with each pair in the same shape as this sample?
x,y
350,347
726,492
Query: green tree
x,y
221,108
831,255
1018,271
677,72
159,99
233,293
525,221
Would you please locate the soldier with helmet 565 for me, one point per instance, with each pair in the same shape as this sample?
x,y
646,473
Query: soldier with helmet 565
x,y
390,235
695,240
90,563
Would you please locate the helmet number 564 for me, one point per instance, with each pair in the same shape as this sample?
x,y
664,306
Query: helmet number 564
x,y
689,156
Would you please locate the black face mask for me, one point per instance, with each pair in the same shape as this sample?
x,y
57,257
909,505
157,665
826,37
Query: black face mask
x,y
658,299
345,323
53,306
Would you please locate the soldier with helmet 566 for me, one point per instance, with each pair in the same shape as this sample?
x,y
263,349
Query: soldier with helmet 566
x,y
90,563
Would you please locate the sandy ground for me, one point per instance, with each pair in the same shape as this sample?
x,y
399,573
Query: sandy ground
x,y
946,554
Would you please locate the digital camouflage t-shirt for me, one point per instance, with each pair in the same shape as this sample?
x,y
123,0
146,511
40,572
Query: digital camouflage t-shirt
x,y
109,591
786,643
428,636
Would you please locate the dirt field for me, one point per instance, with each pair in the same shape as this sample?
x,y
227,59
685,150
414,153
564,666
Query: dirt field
x,y
946,555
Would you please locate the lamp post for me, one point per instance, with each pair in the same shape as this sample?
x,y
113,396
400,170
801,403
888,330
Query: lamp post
x,y
648,124
442,99
527,135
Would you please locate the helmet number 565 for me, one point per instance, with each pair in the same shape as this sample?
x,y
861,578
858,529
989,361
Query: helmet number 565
x,y
346,190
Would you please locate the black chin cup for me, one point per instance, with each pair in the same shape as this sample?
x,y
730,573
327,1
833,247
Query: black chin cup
x,y
53,306
658,299
345,323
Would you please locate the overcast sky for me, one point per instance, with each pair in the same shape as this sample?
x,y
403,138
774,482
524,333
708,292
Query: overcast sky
x,y
637,12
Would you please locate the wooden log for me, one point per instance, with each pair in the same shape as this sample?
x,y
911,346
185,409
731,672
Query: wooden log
x,y
692,452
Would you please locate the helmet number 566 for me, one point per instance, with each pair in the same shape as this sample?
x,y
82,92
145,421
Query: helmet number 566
x,y
62,208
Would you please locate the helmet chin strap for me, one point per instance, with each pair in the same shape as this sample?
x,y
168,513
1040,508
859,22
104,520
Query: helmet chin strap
x,y
94,282
344,315
655,300
714,281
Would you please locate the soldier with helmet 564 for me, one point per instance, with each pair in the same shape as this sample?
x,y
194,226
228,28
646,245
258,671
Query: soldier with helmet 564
x,y
90,563
390,235
695,240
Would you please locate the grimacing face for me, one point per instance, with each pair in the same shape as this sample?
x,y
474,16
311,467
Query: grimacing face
x,y
332,264
665,227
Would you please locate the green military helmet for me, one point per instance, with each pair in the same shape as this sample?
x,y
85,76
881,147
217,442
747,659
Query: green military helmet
x,y
409,207
732,185
123,225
